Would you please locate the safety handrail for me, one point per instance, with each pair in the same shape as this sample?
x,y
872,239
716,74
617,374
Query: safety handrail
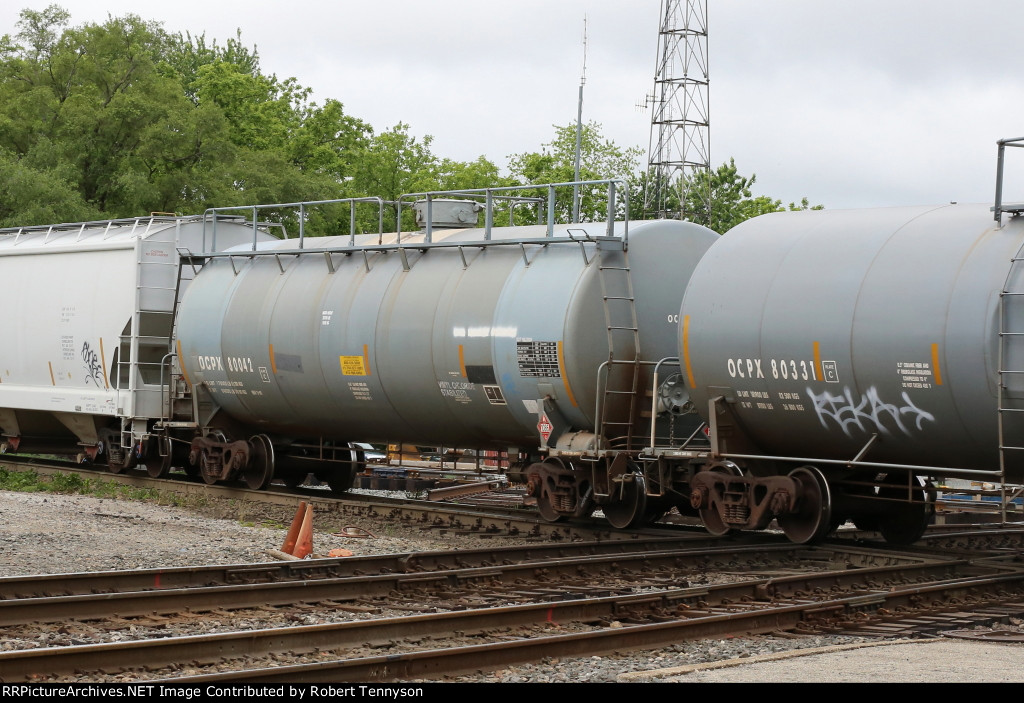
x,y
490,195
998,209
211,215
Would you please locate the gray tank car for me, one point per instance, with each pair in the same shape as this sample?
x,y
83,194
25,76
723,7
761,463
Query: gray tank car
x,y
859,355
539,340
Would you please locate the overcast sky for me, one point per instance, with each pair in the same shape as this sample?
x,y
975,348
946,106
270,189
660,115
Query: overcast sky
x,y
851,103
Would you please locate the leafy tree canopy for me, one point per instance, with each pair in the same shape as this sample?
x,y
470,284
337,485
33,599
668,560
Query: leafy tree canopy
x,y
137,120
731,198
122,118
600,159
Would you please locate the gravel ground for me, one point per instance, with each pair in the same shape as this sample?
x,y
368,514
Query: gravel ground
x,y
50,533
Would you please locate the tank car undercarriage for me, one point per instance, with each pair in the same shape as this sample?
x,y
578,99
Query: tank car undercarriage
x,y
805,503
212,455
256,462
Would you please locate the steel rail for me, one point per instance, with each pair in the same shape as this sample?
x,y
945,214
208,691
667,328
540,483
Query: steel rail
x,y
465,660
93,582
542,573
684,614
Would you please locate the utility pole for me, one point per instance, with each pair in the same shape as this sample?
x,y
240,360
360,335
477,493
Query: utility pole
x,y
678,158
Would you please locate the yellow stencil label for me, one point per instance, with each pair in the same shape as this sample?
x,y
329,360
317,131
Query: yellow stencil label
x,y
353,365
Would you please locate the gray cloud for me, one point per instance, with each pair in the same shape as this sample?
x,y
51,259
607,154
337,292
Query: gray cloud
x,y
851,103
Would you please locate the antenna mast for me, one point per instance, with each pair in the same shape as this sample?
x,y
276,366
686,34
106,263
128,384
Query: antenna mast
x,y
579,130
680,143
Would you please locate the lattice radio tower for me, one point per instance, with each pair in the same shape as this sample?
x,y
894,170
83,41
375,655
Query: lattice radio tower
x,y
680,144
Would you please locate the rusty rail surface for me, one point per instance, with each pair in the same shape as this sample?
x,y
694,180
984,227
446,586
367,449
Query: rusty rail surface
x,y
829,600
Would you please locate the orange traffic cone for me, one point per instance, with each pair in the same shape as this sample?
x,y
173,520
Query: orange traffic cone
x,y
304,545
293,531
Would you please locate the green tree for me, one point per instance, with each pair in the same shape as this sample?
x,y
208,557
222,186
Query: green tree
x,y
29,195
600,159
136,120
732,200
395,163
729,193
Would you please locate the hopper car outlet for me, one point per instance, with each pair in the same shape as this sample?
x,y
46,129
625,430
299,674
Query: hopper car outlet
x,y
628,367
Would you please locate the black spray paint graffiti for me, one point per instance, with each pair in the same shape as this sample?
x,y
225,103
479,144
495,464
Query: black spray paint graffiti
x,y
93,370
870,410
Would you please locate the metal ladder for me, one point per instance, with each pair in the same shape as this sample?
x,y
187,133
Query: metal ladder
x,y
623,348
150,300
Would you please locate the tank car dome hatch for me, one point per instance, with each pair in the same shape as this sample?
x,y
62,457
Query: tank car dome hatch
x,y
447,213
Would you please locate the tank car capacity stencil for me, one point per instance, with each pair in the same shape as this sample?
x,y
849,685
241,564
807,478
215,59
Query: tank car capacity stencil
x,y
538,359
914,374
360,391
456,390
868,413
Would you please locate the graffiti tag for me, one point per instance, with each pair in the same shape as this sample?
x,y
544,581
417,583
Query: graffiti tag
x,y
869,411
93,370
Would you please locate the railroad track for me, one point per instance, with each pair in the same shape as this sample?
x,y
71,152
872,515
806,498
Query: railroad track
x,y
786,588
487,515
487,519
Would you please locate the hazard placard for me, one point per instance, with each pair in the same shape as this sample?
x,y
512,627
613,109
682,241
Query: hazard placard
x,y
544,427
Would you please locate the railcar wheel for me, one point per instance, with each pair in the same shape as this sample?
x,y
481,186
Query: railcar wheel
x,y
547,509
708,512
122,461
866,523
342,476
341,479
905,523
158,466
260,470
630,508
116,466
657,508
291,479
812,520
209,478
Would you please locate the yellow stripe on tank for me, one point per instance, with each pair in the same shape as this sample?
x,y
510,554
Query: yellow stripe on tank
x,y
181,363
686,351
565,379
